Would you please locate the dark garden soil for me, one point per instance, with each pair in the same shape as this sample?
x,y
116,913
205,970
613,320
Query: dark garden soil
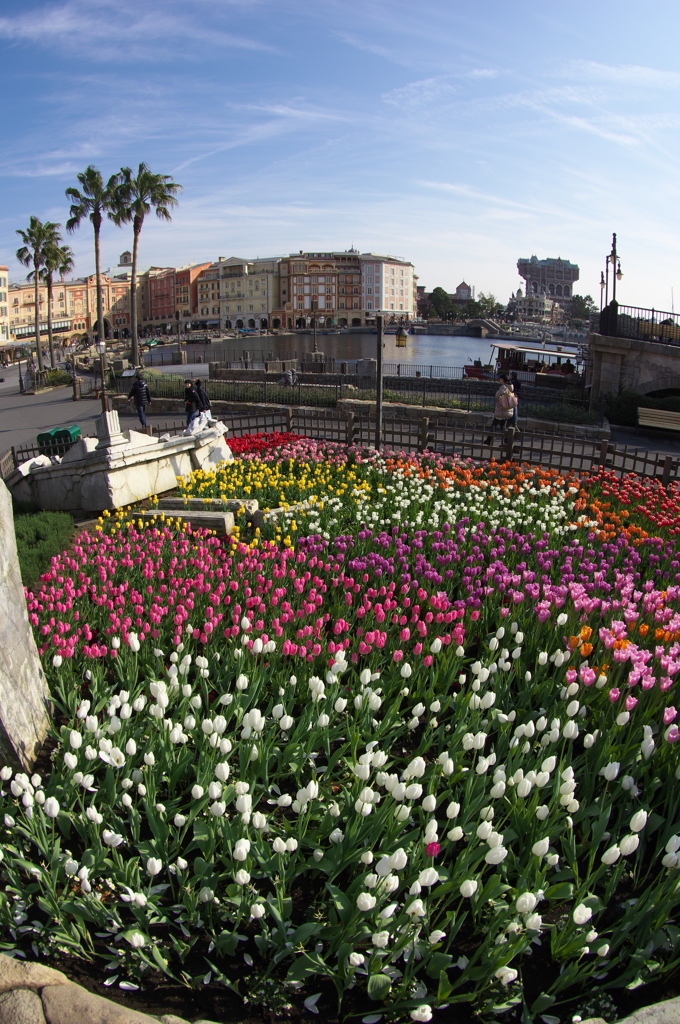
x,y
218,1004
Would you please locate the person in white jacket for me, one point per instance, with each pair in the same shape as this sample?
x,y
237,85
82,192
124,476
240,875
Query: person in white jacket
x,y
504,407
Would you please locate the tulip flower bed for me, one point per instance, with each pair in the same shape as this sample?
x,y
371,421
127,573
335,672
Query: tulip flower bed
x,y
413,746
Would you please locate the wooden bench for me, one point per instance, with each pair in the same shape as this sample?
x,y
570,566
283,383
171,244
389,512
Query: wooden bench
x,y
661,419
221,522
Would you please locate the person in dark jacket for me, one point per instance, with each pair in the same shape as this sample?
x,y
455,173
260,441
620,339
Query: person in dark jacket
x,y
516,387
202,395
192,402
141,396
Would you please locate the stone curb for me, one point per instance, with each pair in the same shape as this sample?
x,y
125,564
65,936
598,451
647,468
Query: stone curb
x,y
667,1012
33,994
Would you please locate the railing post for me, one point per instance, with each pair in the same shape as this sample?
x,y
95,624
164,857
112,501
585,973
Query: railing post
x,y
507,444
604,447
14,457
666,471
289,420
349,428
424,430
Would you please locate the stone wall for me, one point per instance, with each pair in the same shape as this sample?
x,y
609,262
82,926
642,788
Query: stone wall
x,y
24,700
643,366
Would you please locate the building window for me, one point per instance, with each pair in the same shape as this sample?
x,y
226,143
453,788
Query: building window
x,y
369,305
342,304
356,304
355,291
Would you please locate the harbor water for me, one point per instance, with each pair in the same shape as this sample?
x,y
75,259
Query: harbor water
x,y
422,350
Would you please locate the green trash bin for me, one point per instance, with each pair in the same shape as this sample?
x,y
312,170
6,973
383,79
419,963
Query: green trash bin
x,y
58,440
47,441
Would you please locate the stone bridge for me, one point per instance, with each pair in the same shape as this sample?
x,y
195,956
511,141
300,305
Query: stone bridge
x,y
628,363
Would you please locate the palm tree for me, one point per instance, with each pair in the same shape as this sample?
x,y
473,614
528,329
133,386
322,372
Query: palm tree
x,y
59,259
139,195
38,240
94,201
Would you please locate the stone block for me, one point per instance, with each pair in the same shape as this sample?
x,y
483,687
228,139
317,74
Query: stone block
x,y
231,505
221,522
18,974
21,1007
71,1004
667,1012
171,1018
24,698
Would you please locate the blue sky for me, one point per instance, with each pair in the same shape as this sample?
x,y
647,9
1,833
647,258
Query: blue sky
x,y
458,135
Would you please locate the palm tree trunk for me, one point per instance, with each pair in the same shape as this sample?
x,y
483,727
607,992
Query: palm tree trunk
x,y
49,320
38,350
133,296
98,274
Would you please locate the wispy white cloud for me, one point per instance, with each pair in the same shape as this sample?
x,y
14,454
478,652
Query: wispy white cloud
x,y
122,30
625,74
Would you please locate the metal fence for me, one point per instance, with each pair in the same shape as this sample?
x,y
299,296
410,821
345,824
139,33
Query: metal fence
x,y
617,321
428,433
465,394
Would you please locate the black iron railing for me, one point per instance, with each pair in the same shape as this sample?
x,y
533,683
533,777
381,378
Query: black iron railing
x,y
617,321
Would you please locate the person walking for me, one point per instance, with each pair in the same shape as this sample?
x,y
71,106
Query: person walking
x,y
141,396
505,404
192,403
516,387
202,395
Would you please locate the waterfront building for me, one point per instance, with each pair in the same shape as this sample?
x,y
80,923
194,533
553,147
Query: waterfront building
x,y
4,306
344,287
186,291
551,277
534,306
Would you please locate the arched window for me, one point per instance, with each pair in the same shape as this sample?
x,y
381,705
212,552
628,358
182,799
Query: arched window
x,y
566,291
559,290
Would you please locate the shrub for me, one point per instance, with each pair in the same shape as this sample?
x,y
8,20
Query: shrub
x,y
40,536
55,378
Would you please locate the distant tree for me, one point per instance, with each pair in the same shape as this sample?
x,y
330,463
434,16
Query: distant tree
x,y
140,194
488,304
472,310
38,239
581,308
441,300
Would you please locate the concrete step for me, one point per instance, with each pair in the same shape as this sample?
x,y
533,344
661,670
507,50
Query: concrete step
x,y
221,522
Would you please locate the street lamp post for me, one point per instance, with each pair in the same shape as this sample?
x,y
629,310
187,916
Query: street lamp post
x,y
379,383
101,349
613,259
315,309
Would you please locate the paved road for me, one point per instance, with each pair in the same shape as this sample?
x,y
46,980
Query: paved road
x,y
24,416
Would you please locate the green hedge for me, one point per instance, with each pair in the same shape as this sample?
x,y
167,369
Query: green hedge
x,y
622,408
40,535
53,378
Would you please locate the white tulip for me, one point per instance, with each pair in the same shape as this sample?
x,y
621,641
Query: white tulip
x,y
638,821
582,914
366,901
